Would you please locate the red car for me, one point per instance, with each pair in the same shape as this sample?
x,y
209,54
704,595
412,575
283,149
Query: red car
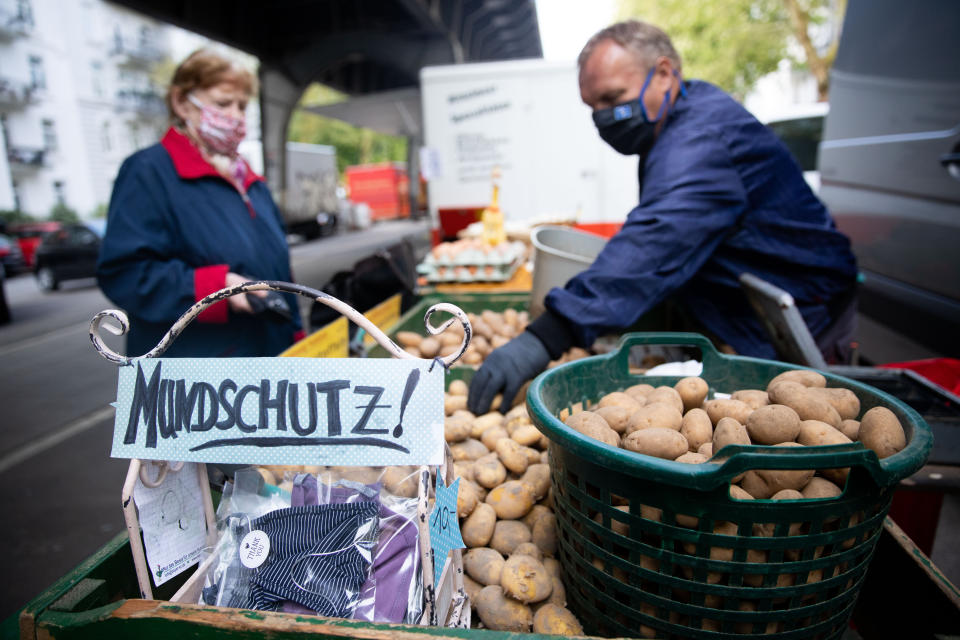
x,y
28,235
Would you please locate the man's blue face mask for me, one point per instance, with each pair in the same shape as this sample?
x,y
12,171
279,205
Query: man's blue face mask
x,y
626,127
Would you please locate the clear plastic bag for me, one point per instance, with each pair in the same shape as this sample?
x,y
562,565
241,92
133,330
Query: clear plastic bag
x,y
384,544
394,591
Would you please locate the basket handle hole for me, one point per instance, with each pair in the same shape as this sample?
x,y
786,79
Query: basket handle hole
x,y
646,356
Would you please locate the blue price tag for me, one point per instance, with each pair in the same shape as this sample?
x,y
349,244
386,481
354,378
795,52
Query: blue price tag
x,y
444,526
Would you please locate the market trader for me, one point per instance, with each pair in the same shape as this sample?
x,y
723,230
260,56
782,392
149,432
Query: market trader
x,y
719,196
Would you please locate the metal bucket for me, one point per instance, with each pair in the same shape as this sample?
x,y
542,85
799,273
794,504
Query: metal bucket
x,y
559,254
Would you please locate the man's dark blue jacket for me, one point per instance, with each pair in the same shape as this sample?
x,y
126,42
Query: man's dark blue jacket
x,y
175,227
720,196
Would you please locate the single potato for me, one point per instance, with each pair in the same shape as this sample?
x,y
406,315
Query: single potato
x,y
655,414
537,476
659,442
500,613
821,488
807,405
524,578
814,433
667,395
691,457
619,399
756,398
616,418
772,424
485,565
508,535
851,429
511,500
477,529
590,424
727,408
556,620
467,499
697,428
512,455
806,377
729,431
488,471
693,391
545,534
881,432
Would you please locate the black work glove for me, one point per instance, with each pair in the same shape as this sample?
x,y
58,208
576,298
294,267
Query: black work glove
x,y
506,369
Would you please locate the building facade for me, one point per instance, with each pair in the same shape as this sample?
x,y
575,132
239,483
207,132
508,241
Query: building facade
x,y
77,95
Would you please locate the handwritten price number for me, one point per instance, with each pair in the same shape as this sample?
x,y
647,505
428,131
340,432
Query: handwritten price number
x,y
443,522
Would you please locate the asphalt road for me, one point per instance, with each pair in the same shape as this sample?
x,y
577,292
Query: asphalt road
x,y
59,489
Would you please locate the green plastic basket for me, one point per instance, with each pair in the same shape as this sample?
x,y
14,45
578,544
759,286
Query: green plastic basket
x,y
638,571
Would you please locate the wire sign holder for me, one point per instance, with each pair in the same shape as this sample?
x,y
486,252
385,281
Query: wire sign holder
x,y
446,604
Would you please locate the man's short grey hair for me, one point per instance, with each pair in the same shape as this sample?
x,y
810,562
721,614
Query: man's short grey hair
x,y
644,40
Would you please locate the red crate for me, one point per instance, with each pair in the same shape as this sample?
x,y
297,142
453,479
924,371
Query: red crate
x,y
384,187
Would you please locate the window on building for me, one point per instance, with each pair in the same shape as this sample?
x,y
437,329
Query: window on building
x,y
96,75
117,38
25,12
49,135
59,192
38,80
145,36
134,134
17,202
105,142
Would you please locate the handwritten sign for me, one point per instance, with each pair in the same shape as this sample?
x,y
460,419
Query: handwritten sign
x,y
331,411
444,526
330,341
384,315
174,529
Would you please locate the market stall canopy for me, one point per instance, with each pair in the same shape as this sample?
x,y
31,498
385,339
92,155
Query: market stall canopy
x,y
360,46
397,113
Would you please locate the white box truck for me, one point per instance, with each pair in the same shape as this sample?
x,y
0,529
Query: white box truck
x,y
310,204
526,117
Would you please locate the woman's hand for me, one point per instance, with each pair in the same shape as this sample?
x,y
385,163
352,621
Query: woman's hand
x,y
239,304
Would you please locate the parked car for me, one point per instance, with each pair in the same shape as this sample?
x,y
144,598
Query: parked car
x,y
29,234
69,253
800,128
890,163
11,257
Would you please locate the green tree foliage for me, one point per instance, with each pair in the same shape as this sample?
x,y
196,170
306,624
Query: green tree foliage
x,y
354,145
14,216
62,213
732,43
100,211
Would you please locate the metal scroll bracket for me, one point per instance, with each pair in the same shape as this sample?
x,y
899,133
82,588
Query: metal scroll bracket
x,y
453,583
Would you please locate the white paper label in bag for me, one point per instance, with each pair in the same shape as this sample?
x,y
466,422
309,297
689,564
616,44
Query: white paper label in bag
x,y
254,549
171,516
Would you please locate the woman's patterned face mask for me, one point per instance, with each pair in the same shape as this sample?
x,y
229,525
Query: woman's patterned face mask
x,y
220,131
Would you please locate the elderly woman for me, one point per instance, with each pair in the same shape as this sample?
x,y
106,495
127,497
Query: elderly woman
x,y
188,217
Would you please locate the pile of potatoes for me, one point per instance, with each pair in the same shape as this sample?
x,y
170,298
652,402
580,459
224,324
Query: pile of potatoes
x,y
506,519
796,409
491,329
